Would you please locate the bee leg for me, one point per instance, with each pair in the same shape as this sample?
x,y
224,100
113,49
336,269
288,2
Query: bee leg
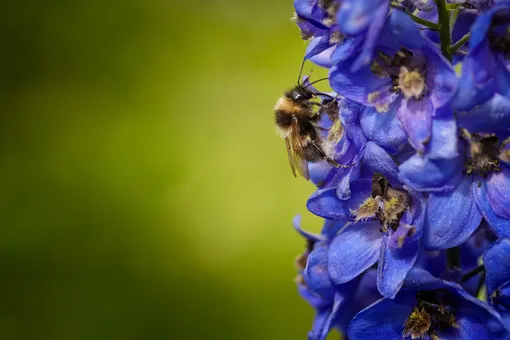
x,y
326,158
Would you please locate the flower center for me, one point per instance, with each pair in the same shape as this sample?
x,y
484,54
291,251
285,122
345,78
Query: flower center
x,y
386,204
330,8
483,153
499,40
407,73
430,315
301,261
411,83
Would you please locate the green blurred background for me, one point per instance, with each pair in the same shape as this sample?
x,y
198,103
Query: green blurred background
x,y
143,191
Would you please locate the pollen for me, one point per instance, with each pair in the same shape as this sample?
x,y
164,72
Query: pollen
x,y
336,131
411,83
366,210
417,324
373,96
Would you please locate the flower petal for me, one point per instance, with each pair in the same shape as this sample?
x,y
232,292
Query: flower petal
x,y
444,141
499,224
423,174
296,222
354,250
497,264
498,192
451,217
416,119
316,273
375,159
325,202
382,320
383,127
394,264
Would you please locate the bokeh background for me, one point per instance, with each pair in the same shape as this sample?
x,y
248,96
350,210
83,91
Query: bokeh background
x,y
143,191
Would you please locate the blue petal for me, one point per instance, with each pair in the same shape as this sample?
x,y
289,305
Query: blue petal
x,y
497,265
375,159
354,250
477,81
444,140
383,127
451,217
325,319
331,228
423,174
406,32
382,320
296,222
354,16
500,225
498,192
394,264
493,116
416,119
378,19
355,86
347,49
316,273
325,202
440,76
310,11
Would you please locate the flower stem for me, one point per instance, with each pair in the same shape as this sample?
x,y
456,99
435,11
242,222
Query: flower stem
x,y
458,45
472,273
444,31
417,19
453,257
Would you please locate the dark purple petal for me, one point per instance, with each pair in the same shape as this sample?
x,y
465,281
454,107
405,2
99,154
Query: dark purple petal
x,y
416,119
499,224
498,192
394,264
451,217
354,250
497,265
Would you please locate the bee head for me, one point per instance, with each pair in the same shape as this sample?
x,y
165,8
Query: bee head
x,y
300,93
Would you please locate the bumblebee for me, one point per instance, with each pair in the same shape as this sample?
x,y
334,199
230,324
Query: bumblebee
x,y
297,122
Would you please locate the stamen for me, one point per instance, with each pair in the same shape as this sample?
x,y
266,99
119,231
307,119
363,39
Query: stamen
x,y
366,210
417,324
411,83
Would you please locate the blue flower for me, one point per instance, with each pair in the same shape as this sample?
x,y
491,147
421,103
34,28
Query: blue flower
x,y
386,223
408,80
485,69
497,273
472,185
335,305
428,308
365,19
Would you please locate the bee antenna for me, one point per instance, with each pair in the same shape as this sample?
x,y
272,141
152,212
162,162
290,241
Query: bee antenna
x,y
316,81
301,72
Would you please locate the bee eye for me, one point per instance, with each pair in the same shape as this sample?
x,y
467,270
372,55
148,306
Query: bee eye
x,y
297,95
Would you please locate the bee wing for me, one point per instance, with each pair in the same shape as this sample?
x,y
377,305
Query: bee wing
x,y
290,154
295,151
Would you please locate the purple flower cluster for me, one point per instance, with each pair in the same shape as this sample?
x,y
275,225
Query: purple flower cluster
x,y
415,223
